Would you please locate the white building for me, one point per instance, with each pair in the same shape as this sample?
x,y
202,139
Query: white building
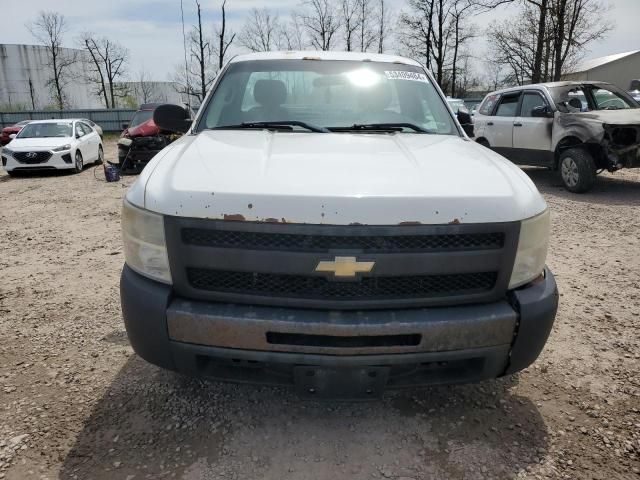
x,y
618,69
24,73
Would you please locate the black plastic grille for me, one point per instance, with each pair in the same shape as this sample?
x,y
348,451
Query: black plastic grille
x,y
316,287
32,157
324,243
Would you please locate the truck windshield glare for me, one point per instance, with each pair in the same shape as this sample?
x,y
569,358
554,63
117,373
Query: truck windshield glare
x,y
333,95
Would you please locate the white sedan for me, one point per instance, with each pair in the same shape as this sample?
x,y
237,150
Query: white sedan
x,y
53,144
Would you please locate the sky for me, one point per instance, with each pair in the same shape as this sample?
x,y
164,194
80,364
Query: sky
x,y
152,31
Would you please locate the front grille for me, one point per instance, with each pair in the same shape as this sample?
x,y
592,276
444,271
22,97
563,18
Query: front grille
x,y
320,288
325,243
32,157
275,264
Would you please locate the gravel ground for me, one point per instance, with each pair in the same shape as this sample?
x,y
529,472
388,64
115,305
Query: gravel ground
x,y
75,402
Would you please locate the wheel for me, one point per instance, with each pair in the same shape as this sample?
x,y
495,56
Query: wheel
x,y
100,156
483,142
577,170
79,163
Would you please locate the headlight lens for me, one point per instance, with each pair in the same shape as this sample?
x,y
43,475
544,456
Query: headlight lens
x,y
62,148
145,249
532,250
8,152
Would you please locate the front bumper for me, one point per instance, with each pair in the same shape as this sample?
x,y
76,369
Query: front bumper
x,y
277,345
57,161
133,158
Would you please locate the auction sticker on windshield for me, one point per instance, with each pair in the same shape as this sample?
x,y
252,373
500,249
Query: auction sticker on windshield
x,y
404,75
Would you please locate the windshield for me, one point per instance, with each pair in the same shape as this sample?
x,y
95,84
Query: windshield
x,y
327,94
586,98
44,130
140,117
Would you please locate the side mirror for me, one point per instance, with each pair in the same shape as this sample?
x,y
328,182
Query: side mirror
x,y
173,118
125,126
12,136
541,111
464,117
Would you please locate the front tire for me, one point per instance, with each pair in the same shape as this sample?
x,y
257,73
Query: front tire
x,y
100,156
577,170
79,163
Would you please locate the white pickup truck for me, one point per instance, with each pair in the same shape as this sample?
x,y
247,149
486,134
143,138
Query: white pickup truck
x,y
326,223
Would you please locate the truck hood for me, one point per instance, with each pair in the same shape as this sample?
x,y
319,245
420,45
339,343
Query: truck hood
x,y
335,178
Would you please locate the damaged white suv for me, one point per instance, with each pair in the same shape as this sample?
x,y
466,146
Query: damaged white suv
x,y
577,128
326,223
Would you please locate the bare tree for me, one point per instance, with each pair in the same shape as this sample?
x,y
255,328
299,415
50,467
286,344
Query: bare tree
x,y
575,24
320,22
416,28
384,23
351,21
108,64
461,35
530,54
262,31
49,29
366,20
225,37
145,89
201,53
32,94
292,33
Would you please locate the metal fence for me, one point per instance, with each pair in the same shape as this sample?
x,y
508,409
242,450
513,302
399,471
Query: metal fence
x,y
110,120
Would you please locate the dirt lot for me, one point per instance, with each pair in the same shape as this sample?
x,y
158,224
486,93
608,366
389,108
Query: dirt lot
x,y
75,402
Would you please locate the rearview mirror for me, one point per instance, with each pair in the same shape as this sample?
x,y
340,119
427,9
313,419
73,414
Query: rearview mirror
x,y
12,136
172,118
541,111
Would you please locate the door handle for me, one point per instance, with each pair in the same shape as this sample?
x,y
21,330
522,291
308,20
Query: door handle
x,y
490,124
517,124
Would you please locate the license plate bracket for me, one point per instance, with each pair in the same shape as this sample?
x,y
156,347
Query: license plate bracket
x,y
340,383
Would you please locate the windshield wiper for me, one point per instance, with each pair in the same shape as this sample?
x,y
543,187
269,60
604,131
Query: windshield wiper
x,y
383,127
283,125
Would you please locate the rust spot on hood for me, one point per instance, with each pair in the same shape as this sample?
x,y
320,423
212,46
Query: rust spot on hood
x,y
455,221
234,218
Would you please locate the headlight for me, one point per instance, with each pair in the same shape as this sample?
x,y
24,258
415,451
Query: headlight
x,y
145,250
532,250
6,151
62,148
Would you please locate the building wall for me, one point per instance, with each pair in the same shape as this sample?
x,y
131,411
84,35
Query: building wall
x,y
19,63
619,73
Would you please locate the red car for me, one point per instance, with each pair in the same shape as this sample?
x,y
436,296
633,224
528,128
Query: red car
x,y
5,136
141,140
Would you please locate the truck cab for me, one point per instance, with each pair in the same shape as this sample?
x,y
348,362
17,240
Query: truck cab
x,y
325,223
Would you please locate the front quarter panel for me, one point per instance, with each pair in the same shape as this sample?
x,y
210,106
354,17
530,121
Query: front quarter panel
x,y
576,125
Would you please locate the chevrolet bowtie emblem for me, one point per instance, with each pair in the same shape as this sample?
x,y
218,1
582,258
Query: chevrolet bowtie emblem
x,y
345,267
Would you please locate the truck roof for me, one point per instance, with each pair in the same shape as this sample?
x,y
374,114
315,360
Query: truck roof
x,y
321,55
